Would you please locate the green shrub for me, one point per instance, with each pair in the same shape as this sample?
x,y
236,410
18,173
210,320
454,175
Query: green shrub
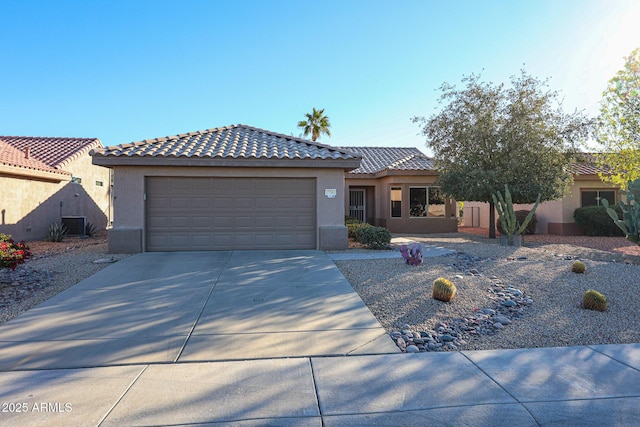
x,y
373,237
520,216
594,300
57,232
578,267
595,221
354,227
443,290
89,229
351,220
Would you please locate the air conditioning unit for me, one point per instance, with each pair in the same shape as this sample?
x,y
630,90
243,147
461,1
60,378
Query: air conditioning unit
x,y
75,224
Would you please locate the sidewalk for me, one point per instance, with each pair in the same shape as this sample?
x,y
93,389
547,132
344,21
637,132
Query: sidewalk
x,y
596,385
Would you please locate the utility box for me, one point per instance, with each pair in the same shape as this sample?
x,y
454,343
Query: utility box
x,y
75,224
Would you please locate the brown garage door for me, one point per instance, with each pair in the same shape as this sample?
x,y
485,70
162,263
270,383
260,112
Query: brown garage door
x,y
185,214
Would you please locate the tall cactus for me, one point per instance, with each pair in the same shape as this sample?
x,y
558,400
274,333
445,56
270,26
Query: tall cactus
x,y
630,222
507,215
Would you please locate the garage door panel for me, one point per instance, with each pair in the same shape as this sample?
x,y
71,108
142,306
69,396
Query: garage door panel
x,y
180,185
201,203
223,222
230,213
243,203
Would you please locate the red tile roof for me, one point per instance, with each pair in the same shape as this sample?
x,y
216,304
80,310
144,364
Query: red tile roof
x,y
55,153
12,157
588,166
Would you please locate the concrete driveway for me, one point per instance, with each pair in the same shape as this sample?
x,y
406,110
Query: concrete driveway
x,y
104,353
196,306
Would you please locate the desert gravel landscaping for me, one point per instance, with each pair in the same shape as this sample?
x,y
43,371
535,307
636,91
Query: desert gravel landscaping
x,y
399,295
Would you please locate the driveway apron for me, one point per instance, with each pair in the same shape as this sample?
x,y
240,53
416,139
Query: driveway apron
x,y
196,306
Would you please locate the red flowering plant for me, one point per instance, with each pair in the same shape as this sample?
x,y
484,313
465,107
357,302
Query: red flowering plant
x,y
12,254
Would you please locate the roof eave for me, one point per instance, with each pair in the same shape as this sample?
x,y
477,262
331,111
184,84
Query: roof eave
x,y
111,161
34,173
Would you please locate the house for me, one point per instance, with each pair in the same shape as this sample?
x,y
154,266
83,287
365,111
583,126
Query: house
x,y
234,187
556,216
394,188
44,180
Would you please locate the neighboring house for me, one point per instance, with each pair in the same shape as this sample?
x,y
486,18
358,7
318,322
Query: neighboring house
x,y
394,188
234,187
45,179
556,216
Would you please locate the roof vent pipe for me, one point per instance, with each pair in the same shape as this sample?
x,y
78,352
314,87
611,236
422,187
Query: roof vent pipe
x,y
26,152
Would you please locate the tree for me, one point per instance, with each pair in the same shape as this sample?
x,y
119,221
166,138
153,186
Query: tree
x,y
618,128
490,135
315,125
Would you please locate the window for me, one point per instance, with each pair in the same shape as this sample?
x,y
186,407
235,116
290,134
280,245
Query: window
x,y
593,197
426,202
98,183
76,179
417,202
396,202
436,203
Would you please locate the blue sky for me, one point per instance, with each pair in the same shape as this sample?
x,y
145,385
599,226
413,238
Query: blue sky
x,y
125,71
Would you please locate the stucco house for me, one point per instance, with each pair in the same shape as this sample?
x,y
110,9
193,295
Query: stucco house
x,y
394,188
234,187
44,180
556,216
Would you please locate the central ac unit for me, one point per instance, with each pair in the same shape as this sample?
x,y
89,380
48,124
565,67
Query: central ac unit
x,y
75,224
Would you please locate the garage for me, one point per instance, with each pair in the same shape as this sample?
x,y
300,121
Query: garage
x,y
226,188
218,213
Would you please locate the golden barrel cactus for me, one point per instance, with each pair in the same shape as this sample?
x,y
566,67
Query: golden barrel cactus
x,y
594,300
443,290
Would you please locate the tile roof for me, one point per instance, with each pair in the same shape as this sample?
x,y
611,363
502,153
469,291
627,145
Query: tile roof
x,y
54,153
588,166
12,157
381,159
235,141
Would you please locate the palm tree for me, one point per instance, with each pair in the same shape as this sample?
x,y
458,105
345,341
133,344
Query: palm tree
x,y
316,124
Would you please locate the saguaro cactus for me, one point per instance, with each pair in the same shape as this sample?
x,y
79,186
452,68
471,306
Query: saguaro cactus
x,y
507,214
630,222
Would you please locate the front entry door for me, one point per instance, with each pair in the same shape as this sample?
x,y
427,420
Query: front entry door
x,y
356,204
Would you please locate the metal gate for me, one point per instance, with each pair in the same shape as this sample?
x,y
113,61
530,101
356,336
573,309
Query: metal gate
x,y
356,204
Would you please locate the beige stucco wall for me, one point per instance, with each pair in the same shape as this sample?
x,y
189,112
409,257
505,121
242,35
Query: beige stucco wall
x,y
382,204
28,205
553,216
128,190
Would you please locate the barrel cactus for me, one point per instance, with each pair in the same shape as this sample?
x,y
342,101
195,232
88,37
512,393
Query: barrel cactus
x,y
594,300
578,267
443,290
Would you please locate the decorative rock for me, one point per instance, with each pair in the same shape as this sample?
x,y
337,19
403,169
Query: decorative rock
x,y
446,337
401,344
488,311
502,319
104,261
412,349
498,325
509,303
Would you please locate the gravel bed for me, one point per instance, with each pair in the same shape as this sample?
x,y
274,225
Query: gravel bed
x,y
53,268
399,295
